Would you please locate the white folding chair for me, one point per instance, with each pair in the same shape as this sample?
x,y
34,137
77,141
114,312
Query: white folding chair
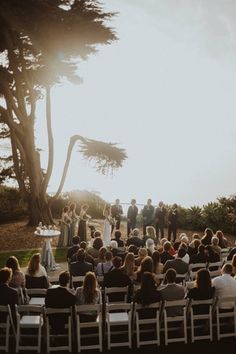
x,y
181,278
147,324
201,319
118,322
67,335
100,279
175,314
194,269
224,253
5,326
77,279
226,317
28,317
215,269
116,291
96,324
37,296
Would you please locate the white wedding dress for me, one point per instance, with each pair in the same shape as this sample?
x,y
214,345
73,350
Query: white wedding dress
x,y
106,232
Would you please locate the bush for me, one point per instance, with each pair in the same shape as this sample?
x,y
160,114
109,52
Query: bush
x,y
12,207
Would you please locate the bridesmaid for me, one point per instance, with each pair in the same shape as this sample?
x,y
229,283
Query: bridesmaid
x,y
65,224
83,217
74,217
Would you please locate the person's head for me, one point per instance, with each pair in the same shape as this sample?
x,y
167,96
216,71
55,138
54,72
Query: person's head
x,y
227,269
142,252
80,255
64,279
170,275
89,287
135,232
108,256
167,246
13,263
133,201
5,275
215,241
150,245
208,250
117,262
149,201
101,253
201,249
66,209
181,252
83,245
84,207
162,241
117,234
97,243
196,243
155,259
72,206
97,234
151,232
208,233
33,265
196,236
133,249
175,206
146,265
161,204
117,201
147,282
203,280
234,261
75,240
184,238
129,264
113,244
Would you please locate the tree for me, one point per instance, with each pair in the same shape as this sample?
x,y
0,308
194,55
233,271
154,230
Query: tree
x,y
42,42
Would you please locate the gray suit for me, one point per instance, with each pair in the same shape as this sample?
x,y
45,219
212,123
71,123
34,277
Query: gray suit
x,y
173,292
180,266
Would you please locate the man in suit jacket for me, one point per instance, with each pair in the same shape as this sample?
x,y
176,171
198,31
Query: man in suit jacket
x,y
60,297
80,267
73,249
173,222
148,215
160,215
8,295
116,213
177,264
132,216
135,239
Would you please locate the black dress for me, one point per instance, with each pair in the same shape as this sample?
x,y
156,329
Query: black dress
x,y
82,229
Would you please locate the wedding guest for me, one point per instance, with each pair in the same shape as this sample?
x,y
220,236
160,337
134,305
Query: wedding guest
x,y
101,255
208,234
116,277
193,247
173,222
232,253
65,224
36,275
88,257
80,267
142,253
177,264
200,257
8,295
117,238
135,239
148,215
225,284
18,278
160,216
83,218
89,292
157,265
150,245
148,293
212,256
116,213
165,255
132,216
133,249
94,250
73,249
215,245
145,266
150,233
105,267
74,218
223,243
129,265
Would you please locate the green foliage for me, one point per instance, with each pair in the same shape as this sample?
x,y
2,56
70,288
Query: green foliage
x,y
12,206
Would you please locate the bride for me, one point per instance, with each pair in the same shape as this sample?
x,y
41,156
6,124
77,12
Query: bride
x,y
107,225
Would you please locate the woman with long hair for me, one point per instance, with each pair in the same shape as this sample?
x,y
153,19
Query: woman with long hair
x,y
157,265
223,243
83,218
73,217
36,275
206,238
147,294
18,278
101,255
65,225
145,266
129,267
203,289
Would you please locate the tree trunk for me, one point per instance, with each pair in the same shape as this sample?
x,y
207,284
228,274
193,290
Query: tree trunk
x,y
39,210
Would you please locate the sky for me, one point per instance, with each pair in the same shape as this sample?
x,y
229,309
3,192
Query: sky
x,y
165,92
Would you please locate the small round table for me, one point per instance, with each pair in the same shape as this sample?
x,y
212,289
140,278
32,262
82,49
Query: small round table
x,y
47,257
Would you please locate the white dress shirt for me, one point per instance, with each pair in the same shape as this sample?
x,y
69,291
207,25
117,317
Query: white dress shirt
x,y
225,285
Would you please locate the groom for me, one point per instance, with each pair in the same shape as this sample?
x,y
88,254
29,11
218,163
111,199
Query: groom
x,y
116,212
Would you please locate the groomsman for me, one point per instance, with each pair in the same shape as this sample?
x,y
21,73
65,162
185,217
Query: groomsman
x,y
116,213
160,215
132,216
148,215
173,222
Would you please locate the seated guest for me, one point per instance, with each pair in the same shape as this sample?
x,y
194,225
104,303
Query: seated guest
x,y
8,295
165,255
150,233
129,265
231,253
212,257
157,265
145,266
225,284
117,235
74,248
203,289
215,245
94,250
234,265
18,278
80,267
177,264
60,297
193,247
133,249
183,238
200,257
105,267
142,253
114,248
150,245
160,248
89,292
96,234
36,275
206,238
101,255
135,239
88,258
186,258
223,243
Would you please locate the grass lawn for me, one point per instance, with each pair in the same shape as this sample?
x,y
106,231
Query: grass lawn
x,y
24,256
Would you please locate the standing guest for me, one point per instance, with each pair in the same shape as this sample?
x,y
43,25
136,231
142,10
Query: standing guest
x,y
223,243
148,293
89,292
165,255
18,278
173,222
65,225
135,239
132,216
148,215
83,218
142,253
116,213
8,295
107,226
118,239
129,265
80,267
215,245
73,249
206,238
225,284
105,267
60,297
94,250
160,216
74,218
145,266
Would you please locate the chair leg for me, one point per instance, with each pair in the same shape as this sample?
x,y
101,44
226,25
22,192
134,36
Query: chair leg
x,y
100,335
70,335
108,336
17,338
137,333
39,338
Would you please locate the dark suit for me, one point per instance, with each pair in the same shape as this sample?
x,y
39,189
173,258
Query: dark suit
x,y
172,224
131,216
71,251
116,278
116,212
148,216
178,264
165,256
136,241
80,268
160,215
198,258
59,298
8,296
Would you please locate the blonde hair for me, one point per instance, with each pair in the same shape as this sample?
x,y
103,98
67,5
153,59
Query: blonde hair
x,y
151,232
33,265
129,265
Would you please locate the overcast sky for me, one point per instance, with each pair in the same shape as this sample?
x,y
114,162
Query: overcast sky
x,y
165,91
